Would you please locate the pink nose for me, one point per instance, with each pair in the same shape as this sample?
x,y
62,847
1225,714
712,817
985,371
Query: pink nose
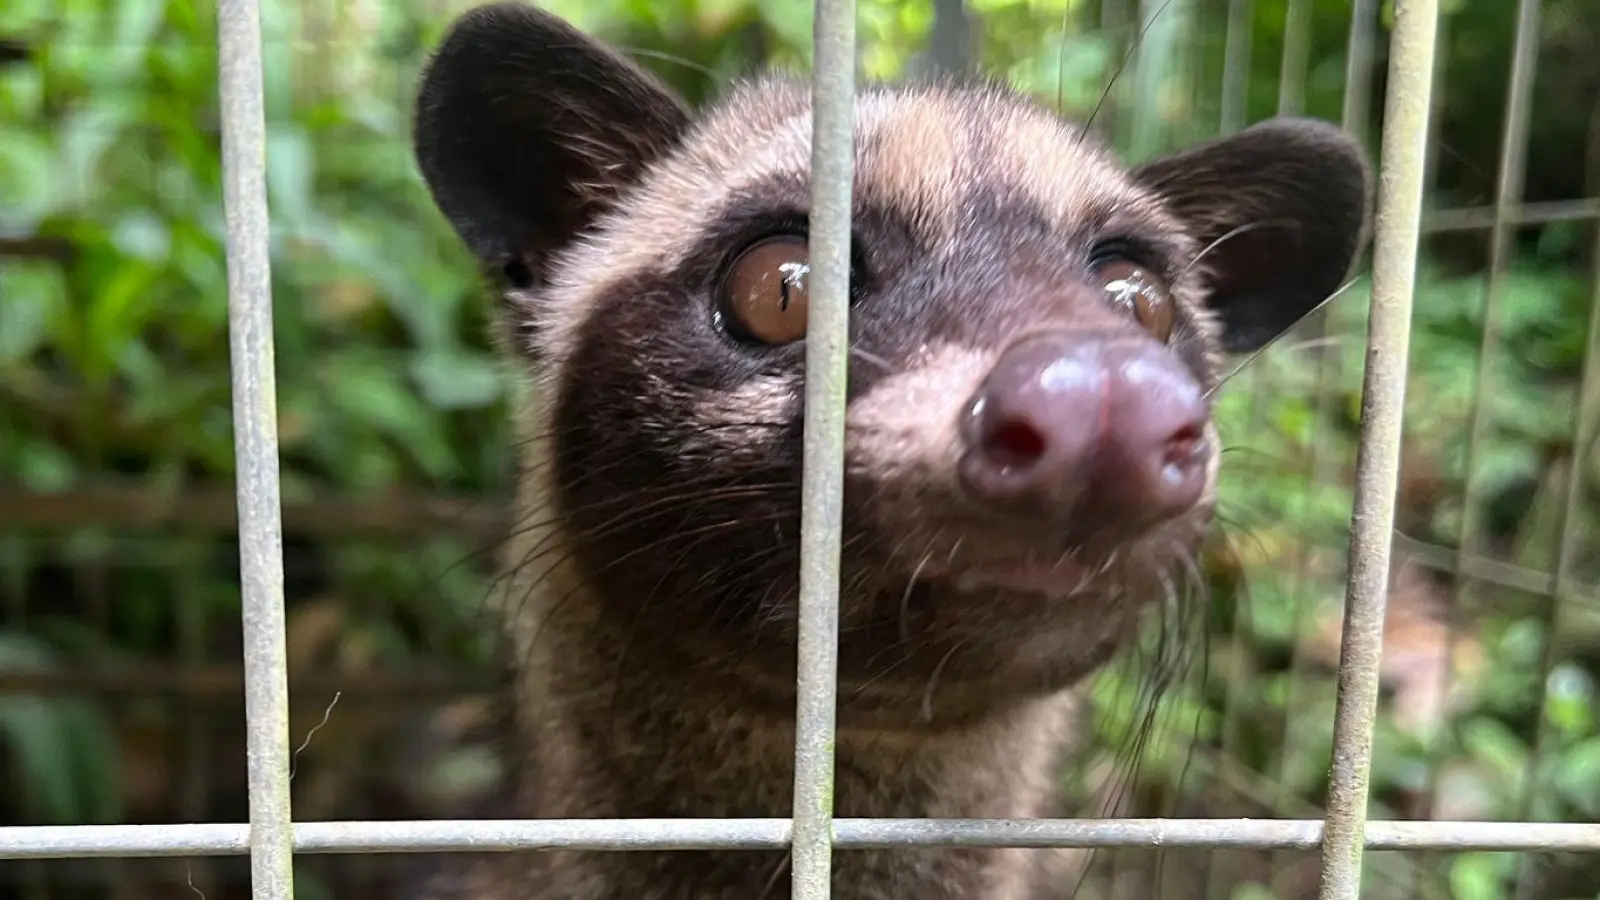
x,y
1088,430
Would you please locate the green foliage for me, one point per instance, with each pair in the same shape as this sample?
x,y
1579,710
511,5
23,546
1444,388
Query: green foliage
x,y
381,356
63,752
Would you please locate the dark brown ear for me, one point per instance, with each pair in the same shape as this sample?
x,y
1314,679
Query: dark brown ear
x,y
1286,203
527,129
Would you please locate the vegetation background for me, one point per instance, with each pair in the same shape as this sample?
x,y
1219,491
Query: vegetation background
x,y
120,683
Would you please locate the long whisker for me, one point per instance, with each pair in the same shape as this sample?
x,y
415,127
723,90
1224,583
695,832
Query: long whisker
x,y
1126,58
1230,235
666,57
1270,344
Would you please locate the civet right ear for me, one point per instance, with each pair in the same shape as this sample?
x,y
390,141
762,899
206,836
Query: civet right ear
x,y
527,129
1286,203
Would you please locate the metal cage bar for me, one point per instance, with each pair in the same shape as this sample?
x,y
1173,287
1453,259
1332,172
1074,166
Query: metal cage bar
x,y
1236,64
1295,61
822,479
255,418
812,833
1508,193
1560,597
497,835
1398,219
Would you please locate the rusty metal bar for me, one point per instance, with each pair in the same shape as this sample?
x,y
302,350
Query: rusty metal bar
x,y
1397,234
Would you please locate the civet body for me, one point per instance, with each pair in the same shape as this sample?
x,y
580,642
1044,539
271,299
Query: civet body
x,y
1030,455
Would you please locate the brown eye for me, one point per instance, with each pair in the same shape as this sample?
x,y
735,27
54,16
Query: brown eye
x,y
764,296
1137,288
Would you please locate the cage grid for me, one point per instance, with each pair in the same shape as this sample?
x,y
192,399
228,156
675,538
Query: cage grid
x,y
271,837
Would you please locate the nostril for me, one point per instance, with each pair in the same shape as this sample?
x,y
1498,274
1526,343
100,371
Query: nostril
x,y
1014,442
1181,444
1180,450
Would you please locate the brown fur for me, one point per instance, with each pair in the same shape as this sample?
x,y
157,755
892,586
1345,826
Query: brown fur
x,y
649,597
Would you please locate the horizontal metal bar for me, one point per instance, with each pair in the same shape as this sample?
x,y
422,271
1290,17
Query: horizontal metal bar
x,y
1543,213
155,552
54,249
390,515
117,505
447,836
1493,571
223,685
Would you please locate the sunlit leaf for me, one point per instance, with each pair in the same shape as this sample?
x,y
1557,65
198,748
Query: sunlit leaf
x,y
31,296
1577,777
27,180
1479,876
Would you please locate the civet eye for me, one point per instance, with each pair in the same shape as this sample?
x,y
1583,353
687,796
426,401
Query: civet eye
x,y
764,296
1135,287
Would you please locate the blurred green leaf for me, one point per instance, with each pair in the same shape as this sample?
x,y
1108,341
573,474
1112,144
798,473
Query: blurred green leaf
x,y
291,176
31,298
456,379
1577,777
115,317
1571,702
1479,876
26,161
39,738
143,236
64,747
1493,743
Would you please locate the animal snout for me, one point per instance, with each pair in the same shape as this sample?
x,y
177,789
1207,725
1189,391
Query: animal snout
x,y
1088,431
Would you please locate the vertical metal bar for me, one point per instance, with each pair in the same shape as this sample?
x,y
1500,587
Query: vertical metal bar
x,y
1508,196
1583,431
1119,23
1441,67
193,627
1157,54
1508,199
950,45
1427,867
1292,68
1292,65
255,439
1296,58
1236,65
1398,229
18,562
1358,67
822,481
1322,463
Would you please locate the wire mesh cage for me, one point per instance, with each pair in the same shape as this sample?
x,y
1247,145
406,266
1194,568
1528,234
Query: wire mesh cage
x,y
1379,563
